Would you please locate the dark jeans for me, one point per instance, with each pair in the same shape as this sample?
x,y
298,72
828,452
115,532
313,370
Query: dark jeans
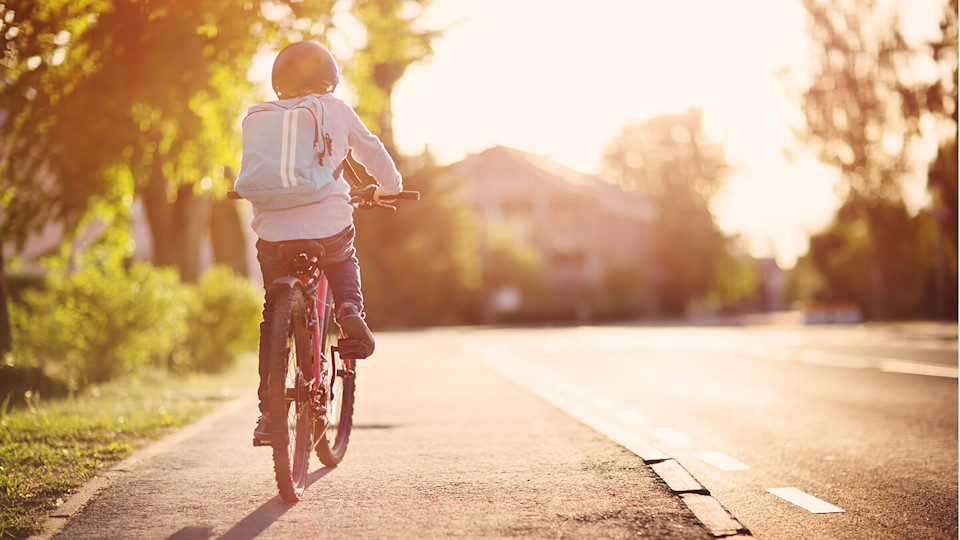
x,y
339,265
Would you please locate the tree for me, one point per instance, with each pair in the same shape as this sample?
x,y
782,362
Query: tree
x,y
105,99
942,177
863,114
842,252
670,158
393,44
108,95
420,266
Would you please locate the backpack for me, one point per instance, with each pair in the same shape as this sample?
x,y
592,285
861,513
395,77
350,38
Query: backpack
x,y
282,164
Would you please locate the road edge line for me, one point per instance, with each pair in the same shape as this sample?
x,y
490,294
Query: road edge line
x,y
704,511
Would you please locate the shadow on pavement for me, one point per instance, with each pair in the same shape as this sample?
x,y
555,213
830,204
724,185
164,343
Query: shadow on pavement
x,y
192,533
255,523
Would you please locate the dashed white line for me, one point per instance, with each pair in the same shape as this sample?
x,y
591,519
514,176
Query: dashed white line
x,y
722,461
915,368
670,436
630,417
820,358
600,403
805,500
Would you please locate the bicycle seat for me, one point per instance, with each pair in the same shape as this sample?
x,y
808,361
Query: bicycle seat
x,y
289,249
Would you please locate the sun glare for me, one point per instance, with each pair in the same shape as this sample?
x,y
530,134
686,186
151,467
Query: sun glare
x,y
561,80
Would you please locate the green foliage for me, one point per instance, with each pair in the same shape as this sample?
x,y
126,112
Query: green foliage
x,y
848,254
511,263
420,265
803,282
223,320
107,98
100,321
737,280
670,158
865,94
104,320
393,44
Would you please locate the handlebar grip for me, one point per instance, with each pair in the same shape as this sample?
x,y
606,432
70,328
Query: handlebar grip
x,y
367,193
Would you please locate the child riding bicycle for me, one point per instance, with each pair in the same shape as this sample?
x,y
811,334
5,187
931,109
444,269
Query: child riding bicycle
x,y
312,204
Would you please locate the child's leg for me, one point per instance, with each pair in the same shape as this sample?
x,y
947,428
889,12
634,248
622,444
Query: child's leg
x,y
272,267
342,268
343,273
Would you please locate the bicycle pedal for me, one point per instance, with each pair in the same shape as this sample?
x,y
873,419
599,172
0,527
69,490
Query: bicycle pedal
x,y
351,349
261,442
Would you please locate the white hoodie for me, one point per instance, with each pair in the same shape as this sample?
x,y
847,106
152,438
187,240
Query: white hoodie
x,y
333,213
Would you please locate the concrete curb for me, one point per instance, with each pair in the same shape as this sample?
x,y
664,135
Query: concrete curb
x,y
717,519
57,519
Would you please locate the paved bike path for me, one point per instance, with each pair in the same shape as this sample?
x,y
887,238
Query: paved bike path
x,y
442,447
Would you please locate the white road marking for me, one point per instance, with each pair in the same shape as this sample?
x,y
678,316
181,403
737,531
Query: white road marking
x,y
530,378
670,436
820,358
630,417
888,365
804,500
914,368
722,461
600,403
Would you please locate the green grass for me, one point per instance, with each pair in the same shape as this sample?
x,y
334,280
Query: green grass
x,y
50,448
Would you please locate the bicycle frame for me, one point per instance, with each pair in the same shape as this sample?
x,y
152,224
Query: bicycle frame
x,y
315,330
317,288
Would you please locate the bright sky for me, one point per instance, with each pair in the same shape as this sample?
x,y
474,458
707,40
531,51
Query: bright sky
x,y
562,78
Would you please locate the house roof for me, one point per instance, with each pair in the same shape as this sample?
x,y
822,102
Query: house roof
x,y
611,197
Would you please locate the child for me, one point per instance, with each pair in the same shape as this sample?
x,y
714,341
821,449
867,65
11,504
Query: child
x,y
302,69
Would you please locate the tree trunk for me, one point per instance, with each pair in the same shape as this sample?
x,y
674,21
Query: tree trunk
x,y
177,227
6,336
385,76
876,273
227,237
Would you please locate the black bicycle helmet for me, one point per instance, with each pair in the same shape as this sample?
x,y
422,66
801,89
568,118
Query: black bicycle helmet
x,y
302,68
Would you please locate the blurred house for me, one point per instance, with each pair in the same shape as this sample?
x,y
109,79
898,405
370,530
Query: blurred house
x,y
593,239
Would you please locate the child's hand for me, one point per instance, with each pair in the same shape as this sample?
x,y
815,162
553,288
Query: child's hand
x,y
373,197
379,193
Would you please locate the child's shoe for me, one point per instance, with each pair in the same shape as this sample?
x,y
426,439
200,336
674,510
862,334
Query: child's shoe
x,y
261,433
353,326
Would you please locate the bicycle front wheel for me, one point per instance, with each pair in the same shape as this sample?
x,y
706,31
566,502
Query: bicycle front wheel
x,y
289,403
341,384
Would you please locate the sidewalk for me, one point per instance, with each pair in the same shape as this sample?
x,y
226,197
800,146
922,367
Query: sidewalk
x,y
442,446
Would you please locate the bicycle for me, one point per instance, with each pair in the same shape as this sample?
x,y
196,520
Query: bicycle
x,y
311,379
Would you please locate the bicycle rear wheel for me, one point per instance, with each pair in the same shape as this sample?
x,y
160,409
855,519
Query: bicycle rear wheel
x,y
290,406
341,378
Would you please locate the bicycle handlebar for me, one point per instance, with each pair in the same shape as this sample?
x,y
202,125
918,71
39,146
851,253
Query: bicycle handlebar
x,y
363,198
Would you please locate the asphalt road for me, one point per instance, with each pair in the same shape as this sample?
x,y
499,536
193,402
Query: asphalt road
x,y
864,418
443,447
799,432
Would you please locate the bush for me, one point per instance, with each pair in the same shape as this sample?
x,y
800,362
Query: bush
x,y
222,318
102,320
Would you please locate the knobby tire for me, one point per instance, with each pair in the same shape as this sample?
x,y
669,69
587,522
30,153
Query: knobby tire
x,y
332,442
289,403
